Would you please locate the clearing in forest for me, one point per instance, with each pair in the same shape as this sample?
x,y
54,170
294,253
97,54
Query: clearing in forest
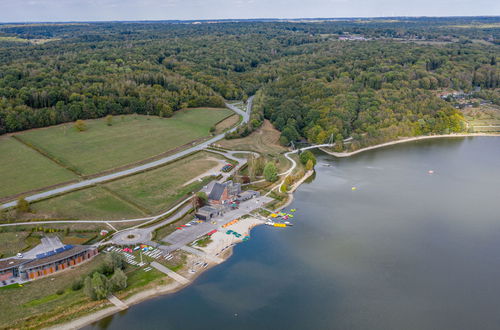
x,y
129,139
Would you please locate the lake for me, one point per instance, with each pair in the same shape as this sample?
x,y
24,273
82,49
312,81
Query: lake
x,y
405,250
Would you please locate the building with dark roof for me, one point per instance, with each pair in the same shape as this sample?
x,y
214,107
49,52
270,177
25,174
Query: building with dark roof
x,y
60,260
9,268
222,193
207,213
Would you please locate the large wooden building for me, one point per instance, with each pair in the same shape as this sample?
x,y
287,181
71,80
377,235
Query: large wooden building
x,y
13,270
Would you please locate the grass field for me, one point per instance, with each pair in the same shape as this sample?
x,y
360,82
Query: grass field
x,y
135,196
90,203
23,169
227,123
14,242
48,300
39,297
130,139
158,189
265,140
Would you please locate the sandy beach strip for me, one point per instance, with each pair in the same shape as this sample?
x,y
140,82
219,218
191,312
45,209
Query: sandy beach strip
x,y
404,140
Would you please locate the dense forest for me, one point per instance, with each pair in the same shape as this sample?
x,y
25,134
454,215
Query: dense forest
x,y
372,79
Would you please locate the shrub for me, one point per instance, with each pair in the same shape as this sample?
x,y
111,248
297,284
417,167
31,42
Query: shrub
x,y
23,206
80,125
309,165
77,285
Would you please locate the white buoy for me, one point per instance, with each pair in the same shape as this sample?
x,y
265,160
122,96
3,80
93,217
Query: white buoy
x,y
430,171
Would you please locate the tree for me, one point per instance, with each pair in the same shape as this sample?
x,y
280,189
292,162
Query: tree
x,y
118,280
307,155
199,199
339,143
80,125
109,120
270,172
23,206
309,165
88,289
284,188
100,286
113,261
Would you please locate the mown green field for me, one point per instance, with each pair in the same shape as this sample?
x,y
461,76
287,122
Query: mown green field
x,y
23,169
130,139
90,203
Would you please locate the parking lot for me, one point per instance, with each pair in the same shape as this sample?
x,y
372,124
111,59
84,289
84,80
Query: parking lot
x,y
188,234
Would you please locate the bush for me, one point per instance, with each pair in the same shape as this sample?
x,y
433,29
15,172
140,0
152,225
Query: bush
x,y
80,125
309,165
60,292
23,206
77,285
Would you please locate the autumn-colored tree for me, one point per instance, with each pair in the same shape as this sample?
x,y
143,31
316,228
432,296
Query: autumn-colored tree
x,y
80,125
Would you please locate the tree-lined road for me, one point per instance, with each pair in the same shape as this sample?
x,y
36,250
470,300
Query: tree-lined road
x,y
137,169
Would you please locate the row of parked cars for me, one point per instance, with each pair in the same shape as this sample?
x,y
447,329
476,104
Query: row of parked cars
x,y
227,168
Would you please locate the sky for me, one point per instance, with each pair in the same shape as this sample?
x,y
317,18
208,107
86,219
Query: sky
x,y
109,10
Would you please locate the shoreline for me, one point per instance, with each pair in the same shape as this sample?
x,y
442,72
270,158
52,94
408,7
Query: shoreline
x,y
221,239
404,140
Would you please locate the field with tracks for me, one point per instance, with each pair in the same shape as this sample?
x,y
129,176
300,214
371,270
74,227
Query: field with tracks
x,y
63,154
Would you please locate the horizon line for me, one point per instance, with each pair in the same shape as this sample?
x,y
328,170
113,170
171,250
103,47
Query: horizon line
x,y
244,19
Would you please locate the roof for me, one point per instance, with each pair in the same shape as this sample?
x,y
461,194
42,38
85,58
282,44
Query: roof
x,y
217,191
56,257
206,210
11,263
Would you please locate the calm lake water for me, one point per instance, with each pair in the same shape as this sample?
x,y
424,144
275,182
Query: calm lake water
x,y
405,250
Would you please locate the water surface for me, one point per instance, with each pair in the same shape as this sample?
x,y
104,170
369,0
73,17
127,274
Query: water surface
x,y
405,250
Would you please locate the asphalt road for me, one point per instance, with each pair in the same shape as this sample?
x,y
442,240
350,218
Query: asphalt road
x,y
168,159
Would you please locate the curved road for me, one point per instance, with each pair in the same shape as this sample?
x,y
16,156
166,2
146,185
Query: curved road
x,y
168,159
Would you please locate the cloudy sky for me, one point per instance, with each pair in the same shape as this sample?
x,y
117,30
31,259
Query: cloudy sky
x,y
96,10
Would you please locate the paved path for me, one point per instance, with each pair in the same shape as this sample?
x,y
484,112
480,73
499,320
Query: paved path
x,y
170,273
142,235
34,223
137,169
117,302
